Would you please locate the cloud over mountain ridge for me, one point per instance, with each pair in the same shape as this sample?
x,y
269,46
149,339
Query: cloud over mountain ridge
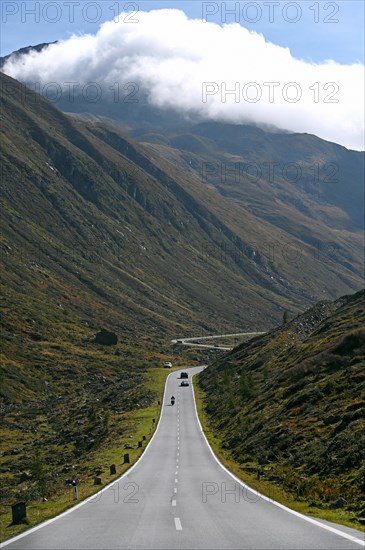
x,y
219,72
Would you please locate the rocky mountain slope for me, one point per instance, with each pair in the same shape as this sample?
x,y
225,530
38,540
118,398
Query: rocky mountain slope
x,y
290,404
86,205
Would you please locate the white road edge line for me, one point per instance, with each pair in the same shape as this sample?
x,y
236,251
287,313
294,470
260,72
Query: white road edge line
x,y
178,525
298,514
70,510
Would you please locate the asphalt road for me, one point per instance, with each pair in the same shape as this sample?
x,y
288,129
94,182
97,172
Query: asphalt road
x,y
178,496
193,341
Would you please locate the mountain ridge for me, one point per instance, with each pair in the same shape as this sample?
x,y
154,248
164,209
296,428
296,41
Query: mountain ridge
x,y
87,151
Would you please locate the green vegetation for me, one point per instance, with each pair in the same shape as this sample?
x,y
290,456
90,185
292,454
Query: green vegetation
x,y
38,473
51,476
249,474
287,409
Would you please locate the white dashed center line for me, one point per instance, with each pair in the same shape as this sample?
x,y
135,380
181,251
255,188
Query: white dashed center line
x,y
173,503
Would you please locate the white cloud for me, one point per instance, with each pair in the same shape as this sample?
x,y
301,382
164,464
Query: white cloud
x,y
176,59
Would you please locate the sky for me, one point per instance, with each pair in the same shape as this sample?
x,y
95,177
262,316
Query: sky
x,y
295,65
312,30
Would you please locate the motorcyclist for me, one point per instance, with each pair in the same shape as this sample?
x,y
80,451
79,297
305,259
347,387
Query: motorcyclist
x,y
172,400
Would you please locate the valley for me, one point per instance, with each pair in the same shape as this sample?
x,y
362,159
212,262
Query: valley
x,y
154,228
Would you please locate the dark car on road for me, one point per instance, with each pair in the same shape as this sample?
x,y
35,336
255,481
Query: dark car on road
x,y
184,375
184,383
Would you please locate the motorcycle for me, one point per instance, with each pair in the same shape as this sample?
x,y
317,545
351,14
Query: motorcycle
x,y
172,400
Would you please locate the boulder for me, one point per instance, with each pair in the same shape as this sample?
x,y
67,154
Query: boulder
x,y
106,338
25,476
13,452
36,337
339,503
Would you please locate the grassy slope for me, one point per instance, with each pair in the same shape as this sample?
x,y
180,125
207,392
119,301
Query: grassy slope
x,y
124,429
315,210
80,217
290,405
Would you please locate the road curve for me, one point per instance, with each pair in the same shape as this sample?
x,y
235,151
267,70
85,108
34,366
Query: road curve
x,y
192,341
178,497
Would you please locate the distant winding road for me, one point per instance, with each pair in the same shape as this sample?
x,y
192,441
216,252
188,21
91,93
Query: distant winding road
x,y
178,496
192,341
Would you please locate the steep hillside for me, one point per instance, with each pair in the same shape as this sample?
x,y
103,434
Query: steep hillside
x,y
95,214
307,193
290,404
304,176
89,217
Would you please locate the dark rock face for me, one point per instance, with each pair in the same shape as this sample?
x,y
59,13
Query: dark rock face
x,y
339,503
106,338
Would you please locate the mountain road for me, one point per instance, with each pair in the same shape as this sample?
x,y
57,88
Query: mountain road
x,y
178,496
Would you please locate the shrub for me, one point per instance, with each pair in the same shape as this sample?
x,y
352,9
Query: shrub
x,y
247,386
39,472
